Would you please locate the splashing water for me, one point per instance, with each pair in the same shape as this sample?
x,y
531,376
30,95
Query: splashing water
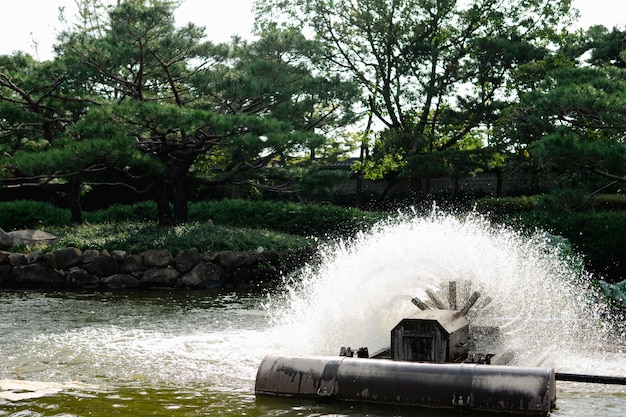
x,y
541,297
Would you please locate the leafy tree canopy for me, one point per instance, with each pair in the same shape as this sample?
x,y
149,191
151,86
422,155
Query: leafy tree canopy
x,y
133,94
434,72
570,122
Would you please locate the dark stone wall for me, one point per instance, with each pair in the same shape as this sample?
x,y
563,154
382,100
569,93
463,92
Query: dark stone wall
x,y
71,268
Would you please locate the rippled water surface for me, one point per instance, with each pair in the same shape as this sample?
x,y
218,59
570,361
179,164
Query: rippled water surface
x,y
168,353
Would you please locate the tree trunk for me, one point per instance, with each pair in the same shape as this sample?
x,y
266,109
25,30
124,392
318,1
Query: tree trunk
x,y
163,204
415,184
390,183
72,193
179,200
498,182
172,191
363,155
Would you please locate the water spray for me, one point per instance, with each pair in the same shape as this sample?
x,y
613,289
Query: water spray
x,y
487,343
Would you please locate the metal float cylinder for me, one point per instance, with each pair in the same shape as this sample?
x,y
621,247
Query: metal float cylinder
x,y
477,387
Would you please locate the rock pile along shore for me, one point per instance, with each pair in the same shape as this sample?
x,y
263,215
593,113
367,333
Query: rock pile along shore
x,y
156,268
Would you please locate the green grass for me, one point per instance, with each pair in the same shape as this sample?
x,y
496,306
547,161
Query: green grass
x,y
215,225
136,237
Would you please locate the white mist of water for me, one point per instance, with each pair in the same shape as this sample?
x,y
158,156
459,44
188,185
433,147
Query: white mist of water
x,y
363,287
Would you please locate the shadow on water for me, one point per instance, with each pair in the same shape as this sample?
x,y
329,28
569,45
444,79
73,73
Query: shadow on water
x,y
291,407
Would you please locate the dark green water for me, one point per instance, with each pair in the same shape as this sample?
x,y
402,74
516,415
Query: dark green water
x,y
102,354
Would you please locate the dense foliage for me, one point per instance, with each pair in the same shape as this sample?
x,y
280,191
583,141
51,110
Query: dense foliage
x,y
445,88
596,230
435,73
598,236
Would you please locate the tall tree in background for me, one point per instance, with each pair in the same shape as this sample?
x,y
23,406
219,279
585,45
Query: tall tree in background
x,y
570,121
131,99
433,71
184,101
39,105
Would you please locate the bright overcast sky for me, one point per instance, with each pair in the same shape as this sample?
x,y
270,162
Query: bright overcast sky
x,y
26,22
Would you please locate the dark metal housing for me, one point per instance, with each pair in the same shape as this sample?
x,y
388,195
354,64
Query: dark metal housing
x,y
438,336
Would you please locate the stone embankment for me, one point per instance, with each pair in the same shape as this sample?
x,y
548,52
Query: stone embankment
x,y
71,268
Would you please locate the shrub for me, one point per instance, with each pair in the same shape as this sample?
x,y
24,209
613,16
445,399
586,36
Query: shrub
x,y
600,236
291,218
140,212
297,219
26,214
557,201
609,202
565,199
577,200
499,207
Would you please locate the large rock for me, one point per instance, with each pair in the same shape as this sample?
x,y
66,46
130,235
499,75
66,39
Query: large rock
x,y
230,259
252,258
102,266
35,257
36,275
131,264
157,258
120,281
64,258
187,259
119,255
160,277
90,255
6,240
17,259
25,237
78,277
204,275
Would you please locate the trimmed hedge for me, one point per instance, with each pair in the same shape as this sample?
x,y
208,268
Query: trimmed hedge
x,y
597,231
497,207
557,202
291,218
24,214
139,212
296,219
600,237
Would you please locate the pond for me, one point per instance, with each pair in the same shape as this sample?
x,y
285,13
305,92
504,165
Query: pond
x,y
181,353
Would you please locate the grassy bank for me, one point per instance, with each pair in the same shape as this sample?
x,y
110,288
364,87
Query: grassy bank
x,y
136,237
215,225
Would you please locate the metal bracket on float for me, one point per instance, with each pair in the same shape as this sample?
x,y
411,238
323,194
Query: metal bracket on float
x,y
324,392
